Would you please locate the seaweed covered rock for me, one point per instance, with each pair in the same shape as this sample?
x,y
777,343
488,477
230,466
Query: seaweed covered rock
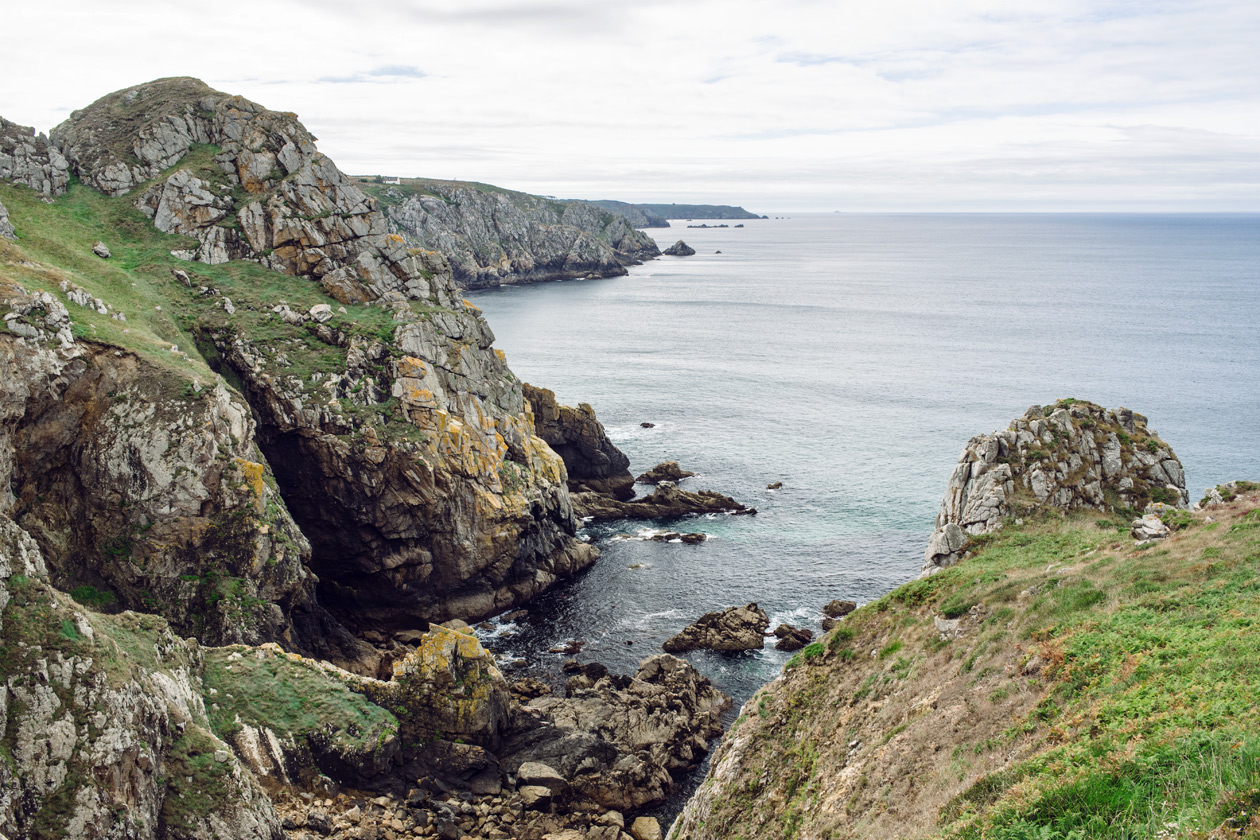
x,y
1073,454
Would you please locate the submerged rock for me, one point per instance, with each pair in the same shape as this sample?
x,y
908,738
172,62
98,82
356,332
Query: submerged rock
x,y
731,629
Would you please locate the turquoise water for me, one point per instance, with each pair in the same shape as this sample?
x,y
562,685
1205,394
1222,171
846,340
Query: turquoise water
x,y
851,357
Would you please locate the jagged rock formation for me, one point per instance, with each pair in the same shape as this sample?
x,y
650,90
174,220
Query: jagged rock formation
x,y
27,158
1071,455
254,187
732,629
6,226
592,461
679,249
495,237
637,215
668,501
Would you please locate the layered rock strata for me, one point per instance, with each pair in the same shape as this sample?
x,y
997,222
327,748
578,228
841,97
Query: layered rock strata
x,y
495,237
1069,455
592,461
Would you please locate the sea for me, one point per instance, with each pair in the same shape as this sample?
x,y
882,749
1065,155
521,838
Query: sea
x,y
851,357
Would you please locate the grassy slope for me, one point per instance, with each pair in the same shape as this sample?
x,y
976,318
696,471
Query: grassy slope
x,y
1098,690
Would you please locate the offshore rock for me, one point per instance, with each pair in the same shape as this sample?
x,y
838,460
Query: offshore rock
x,y
731,629
616,740
592,461
679,249
666,502
27,158
494,237
1070,455
665,471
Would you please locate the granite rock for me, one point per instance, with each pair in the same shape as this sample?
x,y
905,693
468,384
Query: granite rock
x,y
730,629
591,460
28,158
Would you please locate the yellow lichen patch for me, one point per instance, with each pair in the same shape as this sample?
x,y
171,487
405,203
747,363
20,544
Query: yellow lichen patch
x,y
409,367
252,473
470,305
502,356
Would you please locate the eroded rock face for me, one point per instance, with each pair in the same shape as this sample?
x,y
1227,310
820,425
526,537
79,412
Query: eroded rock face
x,y
109,731
463,514
1070,455
592,461
157,497
732,629
28,158
616,740
498,237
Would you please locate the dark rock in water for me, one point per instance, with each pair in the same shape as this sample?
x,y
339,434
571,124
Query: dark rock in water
x,y
665,503
619,740
792,638
731,629
647,425
717,252
590,458
664,471
689,539
571,647
839,608
679,249
514,616
778,485
738,225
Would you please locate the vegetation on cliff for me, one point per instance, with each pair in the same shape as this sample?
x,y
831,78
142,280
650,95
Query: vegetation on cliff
x,y
1062,681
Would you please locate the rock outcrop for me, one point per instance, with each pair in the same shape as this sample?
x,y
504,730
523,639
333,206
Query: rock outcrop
x,y
495,237
616,740
1073,454
731,629
6,226
592,461
668,501
29,159
679,249
664,471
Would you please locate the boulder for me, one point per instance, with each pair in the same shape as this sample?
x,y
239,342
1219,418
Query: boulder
x,y
731,629
839,608
679,249
100,250
6,227
645,828
792,638
664,471
1149,527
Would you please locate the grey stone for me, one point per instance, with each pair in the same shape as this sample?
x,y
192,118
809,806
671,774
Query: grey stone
x,y
101,251
679,249
6,226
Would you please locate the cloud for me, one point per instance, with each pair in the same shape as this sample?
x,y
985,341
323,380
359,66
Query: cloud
x,y
389,73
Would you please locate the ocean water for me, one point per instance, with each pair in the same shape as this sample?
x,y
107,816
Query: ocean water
x,y
851,357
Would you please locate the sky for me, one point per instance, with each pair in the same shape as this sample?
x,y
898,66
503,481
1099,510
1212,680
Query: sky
x,y
784,106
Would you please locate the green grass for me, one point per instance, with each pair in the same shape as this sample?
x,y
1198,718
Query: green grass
x,y
268,689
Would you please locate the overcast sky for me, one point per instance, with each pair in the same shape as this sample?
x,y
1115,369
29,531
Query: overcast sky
x,y
781,106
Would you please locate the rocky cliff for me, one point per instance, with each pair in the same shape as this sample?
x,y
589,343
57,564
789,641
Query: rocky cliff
x,y
637,215
495,237
1061,679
